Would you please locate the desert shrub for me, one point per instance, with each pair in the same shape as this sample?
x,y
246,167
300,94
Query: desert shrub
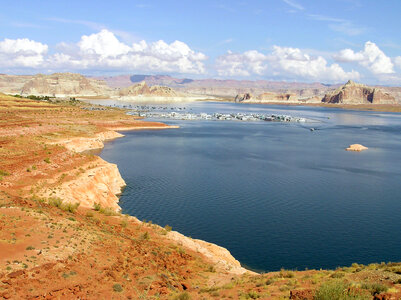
x,y
70,207
338,290
89,214
182,296
30,248
96,206
168,228
108,211
251,295
47,160
55,201
374,288
117,288
337,275
146,236
3,173
286,274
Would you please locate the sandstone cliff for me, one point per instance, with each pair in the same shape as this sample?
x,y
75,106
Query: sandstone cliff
x,y
145,93
272,97
100,182
355,93
65,85
145,90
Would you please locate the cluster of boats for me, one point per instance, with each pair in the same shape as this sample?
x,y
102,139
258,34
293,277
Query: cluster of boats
x,y
217,116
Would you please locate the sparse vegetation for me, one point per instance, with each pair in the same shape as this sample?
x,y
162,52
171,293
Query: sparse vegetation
x,y
117,288
338,290
96,206
183,296
3,174
70,207
54,201
374,288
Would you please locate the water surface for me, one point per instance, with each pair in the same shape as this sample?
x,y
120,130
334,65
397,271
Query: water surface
x,y
275,194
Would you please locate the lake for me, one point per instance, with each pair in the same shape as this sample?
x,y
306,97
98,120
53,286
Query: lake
x,y
276,195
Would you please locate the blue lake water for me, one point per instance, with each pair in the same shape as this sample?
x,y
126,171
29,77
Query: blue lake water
x,y
274,194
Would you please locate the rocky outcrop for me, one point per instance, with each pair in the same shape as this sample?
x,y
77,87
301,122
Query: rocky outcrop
x,y
145,90
356,147
243,97
100,182
81,144
141,92
269,97
65,85
218,255
355,93
289,97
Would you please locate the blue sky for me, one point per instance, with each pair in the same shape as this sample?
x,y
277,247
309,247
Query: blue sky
x,y
292,40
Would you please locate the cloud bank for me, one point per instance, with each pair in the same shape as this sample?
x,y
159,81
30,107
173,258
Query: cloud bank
x,y
371,57
103,52
282,62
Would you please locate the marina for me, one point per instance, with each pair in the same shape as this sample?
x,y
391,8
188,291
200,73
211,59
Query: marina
x,y
218,116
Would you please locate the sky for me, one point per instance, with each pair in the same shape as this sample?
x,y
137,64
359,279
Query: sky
x,y
328,41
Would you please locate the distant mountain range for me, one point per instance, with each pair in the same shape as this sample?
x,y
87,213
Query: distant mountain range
x,y
165,87
218,87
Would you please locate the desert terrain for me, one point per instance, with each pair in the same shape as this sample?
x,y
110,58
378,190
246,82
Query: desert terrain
x,y
63,235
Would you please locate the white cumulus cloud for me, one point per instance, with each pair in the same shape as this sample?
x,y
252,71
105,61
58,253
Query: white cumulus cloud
x,y
371,57
397,61
105,52
282,62
22,53
241,64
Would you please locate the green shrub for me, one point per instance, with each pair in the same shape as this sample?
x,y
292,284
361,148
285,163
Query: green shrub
x,y
47,160
96,206
168,228
182,296
4,173
55,201
337,275
145,236
375,288
108,211
338,290
117,288
30,248
70,207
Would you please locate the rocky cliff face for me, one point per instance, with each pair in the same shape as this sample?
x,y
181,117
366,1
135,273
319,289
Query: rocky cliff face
x,y
271,97
142,89
355,93
99,184
65,84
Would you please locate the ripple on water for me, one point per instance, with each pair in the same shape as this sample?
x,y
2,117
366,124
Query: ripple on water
x,y
275,195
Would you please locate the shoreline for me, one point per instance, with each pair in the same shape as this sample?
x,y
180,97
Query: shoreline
x,y
217,254
358,107
55,249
